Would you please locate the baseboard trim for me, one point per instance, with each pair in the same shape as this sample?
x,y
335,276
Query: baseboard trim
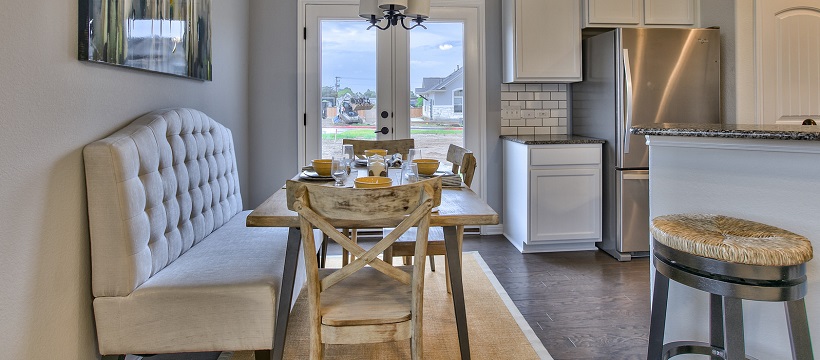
x,y
492,229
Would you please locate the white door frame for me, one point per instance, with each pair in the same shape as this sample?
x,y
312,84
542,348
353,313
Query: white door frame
x,y
475,118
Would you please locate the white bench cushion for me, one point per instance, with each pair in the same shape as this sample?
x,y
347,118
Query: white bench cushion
x,y
219,295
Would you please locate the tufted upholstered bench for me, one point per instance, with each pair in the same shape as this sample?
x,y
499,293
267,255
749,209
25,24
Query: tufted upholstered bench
x,y
174,269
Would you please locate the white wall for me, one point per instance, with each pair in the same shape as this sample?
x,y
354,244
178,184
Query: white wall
x,y
51,105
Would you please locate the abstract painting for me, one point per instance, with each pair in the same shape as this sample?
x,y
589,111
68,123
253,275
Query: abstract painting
x,y
167,36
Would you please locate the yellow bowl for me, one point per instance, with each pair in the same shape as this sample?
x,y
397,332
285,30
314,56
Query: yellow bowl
x,y
427,166
371,152
322,166
371,182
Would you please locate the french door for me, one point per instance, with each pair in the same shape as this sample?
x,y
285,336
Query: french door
x,y
423,84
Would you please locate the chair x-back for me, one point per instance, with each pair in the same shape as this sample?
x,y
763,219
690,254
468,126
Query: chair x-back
x,y
360,303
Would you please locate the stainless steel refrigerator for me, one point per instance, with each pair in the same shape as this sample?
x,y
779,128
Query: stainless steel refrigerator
x,y
641,76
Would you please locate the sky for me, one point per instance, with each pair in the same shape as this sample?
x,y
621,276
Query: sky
x,y
349,52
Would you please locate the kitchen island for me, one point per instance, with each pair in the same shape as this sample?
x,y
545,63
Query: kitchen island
x,y
764,173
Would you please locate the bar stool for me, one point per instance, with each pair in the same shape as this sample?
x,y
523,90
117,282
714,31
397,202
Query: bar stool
x,y
732,259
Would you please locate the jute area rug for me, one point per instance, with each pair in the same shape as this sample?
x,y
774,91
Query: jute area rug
x,y
497,330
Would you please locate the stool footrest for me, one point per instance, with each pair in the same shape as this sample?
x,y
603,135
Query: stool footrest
x,y
693,347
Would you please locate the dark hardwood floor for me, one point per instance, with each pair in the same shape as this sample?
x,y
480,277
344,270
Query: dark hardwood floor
x,y
582,305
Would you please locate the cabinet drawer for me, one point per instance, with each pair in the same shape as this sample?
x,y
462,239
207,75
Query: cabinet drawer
x,y
565,156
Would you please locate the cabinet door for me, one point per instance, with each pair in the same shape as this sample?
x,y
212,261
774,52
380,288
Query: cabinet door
x,y
547,41
565,204
789,54
669,12
626,12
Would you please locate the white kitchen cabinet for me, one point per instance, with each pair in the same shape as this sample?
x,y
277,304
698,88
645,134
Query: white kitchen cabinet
x,y
552,196
542,40
634,13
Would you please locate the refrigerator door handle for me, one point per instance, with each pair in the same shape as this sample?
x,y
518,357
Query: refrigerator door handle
x,y
628,95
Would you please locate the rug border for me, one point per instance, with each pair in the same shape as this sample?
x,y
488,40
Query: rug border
x,y
529,333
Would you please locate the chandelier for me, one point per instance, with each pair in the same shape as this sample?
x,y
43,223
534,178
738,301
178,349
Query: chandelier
x,y
394,11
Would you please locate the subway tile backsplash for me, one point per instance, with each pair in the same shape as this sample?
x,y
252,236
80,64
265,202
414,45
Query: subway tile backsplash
x,y
533,109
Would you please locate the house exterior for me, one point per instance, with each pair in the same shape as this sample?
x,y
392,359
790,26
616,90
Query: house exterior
x,y
443,97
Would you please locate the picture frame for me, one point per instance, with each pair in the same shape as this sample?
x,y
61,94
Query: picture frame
x,y
166,36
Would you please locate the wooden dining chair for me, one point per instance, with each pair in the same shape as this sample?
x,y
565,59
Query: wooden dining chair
x,y
399,146
464,163
360,303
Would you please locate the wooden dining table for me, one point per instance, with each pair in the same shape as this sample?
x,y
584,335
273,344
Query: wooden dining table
x,y
460,207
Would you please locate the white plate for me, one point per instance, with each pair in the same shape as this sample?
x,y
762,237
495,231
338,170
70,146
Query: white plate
x,y
312,175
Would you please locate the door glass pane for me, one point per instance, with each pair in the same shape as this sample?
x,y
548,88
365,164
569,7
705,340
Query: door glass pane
x,y
437,88
348,83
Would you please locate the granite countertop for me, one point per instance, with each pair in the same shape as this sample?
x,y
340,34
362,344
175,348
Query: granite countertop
x,y
551,139
734,131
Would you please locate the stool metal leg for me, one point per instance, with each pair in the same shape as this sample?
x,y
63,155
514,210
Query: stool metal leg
x,y
657,325
799,330
716,338
733,329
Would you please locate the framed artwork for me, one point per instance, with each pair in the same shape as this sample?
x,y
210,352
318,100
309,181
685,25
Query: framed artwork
x,y
167,36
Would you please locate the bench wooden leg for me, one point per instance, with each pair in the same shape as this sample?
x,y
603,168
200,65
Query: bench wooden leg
x,y
262,354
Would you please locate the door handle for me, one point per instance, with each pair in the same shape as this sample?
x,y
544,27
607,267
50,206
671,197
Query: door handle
x,y
384,130
628,95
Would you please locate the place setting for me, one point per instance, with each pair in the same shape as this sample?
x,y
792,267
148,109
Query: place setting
x,y
376,168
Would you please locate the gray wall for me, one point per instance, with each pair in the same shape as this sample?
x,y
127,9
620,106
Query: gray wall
x,y
493,151
722,13
274,140
51,105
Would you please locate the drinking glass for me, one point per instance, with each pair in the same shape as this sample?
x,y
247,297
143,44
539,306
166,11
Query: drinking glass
x,y
413,154
347,150
338,169
410,173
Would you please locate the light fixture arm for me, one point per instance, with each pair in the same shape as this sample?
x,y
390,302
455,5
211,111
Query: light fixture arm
x,y
394,17
418,21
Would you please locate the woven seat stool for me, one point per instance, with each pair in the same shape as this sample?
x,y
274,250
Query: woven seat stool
x,y
732,259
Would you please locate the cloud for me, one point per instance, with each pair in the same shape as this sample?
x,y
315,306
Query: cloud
x,y
445,47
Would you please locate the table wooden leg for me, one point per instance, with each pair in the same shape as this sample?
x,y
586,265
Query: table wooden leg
x,y
286,292
452,242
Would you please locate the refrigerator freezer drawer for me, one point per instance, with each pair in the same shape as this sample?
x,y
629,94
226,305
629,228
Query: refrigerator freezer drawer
x,y
634,211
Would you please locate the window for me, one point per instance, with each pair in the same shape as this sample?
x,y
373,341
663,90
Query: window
x,y
458,101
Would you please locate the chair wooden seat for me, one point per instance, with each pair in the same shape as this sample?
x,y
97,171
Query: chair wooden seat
x,y
407,242
367,297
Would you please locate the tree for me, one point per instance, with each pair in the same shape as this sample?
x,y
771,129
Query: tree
x,y
327,91
369,94
344,91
